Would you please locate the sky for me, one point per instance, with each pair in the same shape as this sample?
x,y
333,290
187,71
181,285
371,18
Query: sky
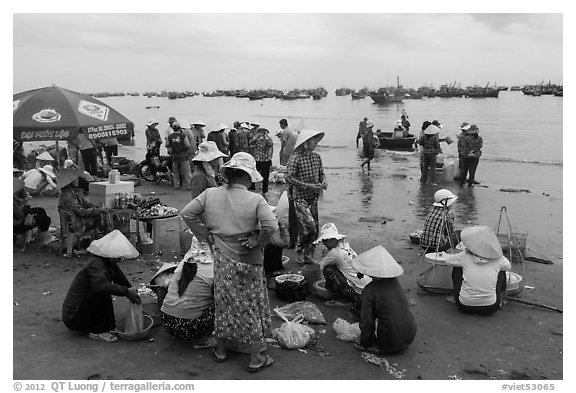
x,y
202,52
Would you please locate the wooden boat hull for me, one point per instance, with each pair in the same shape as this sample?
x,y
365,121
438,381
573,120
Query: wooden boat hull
x,y
405,143
385,99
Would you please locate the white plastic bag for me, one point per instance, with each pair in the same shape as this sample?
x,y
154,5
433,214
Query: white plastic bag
x,y
346,331
292,334
282,206
134,321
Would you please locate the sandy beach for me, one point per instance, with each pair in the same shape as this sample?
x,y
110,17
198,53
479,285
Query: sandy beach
x,y
381,207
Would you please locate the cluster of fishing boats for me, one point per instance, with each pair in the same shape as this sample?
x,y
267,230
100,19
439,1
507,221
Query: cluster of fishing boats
x,y
383,95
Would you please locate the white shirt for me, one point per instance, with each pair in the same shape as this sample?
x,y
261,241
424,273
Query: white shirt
x,y
341,256
33,177
479,278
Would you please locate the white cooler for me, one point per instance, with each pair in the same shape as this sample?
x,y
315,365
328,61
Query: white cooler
x,y
105,192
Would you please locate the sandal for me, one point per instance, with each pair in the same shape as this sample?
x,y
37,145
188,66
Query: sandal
x,y
267,363
218,358
373,350
205,344
104,337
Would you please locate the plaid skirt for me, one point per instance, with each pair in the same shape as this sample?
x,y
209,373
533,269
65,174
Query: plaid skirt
x,y
242,313
190,329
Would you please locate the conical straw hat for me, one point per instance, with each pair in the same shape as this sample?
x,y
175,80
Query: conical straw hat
x,y
45,156
113,245
305,135
377,262
481,241
67,176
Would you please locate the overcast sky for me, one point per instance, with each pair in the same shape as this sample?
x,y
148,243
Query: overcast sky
x,y
141,52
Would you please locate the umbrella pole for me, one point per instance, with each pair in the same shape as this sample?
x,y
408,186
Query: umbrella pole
x,y
57,156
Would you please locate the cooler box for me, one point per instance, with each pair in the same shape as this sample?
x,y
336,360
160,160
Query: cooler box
x,y
105,193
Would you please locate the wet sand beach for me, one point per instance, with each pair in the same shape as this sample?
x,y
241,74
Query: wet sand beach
x,y
377,208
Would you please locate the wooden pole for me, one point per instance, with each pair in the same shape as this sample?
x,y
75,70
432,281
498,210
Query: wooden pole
x,y
514,299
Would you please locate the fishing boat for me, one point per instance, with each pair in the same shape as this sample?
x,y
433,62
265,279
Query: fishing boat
x,y
357,96
389,141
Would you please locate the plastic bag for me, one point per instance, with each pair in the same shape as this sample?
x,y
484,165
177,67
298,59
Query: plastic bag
x,y
308,310
282,206
346,331
134,321
292,334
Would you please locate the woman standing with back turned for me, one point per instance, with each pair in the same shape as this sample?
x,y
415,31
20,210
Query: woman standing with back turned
x,y
237,224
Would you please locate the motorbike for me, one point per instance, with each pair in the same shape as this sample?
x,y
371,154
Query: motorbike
x,y
156,168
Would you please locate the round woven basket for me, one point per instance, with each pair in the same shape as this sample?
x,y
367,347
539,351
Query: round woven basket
x,y
514,284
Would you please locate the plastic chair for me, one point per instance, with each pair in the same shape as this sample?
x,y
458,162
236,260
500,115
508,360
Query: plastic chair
x,y
121,219
69,237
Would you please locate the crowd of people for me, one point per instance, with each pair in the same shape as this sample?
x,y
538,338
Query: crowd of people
x,y
182,145
217,296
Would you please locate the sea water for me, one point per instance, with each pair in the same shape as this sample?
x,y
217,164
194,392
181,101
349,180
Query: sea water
x,y
522,151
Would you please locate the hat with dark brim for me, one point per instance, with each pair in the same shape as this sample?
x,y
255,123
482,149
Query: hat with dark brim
x,y
473,129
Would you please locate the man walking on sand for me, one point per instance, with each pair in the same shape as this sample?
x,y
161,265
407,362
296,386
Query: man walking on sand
x,y
180,147
287,141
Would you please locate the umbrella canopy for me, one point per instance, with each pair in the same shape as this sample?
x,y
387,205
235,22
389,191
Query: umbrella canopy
x,y
54,113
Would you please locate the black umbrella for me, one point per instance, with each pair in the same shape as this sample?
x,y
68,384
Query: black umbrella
x,y
57,114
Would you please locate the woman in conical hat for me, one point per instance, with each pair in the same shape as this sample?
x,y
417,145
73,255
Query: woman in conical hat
x,y
337,269
368,144
88,304
89,216
384,302
306,179
479,273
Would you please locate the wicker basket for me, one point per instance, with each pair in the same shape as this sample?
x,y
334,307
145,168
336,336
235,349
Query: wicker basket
x,y
513,247
291,287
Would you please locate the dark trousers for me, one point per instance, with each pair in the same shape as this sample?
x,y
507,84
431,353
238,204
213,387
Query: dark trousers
x,y
89,158
42,220
457,277
110,151
470,165
292,223
95,314
272,258
428,166
337,283
263,167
